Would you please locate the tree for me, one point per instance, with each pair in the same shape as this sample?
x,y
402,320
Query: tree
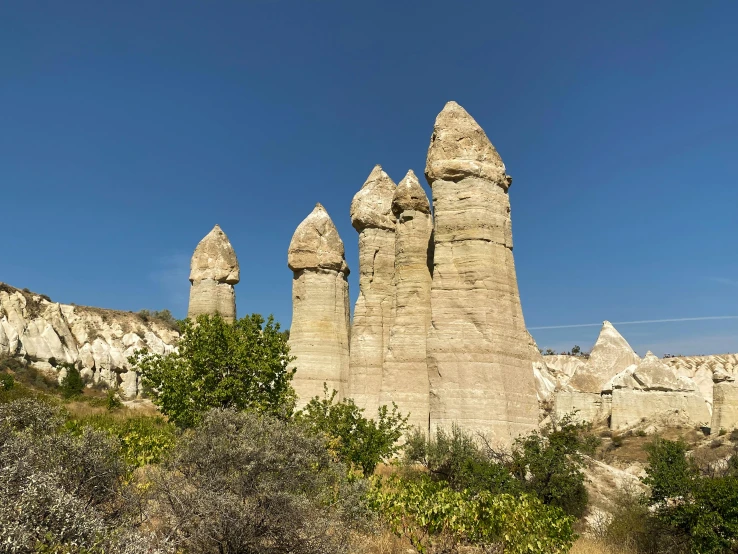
x,y
72,383
358,441
242,365
670,474
576,350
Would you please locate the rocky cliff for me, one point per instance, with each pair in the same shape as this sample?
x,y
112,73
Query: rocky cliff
x,y
46,333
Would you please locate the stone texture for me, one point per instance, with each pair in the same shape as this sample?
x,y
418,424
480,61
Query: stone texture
x,y
610,355
479,364
583,406
372,217
701,369
213,272
319,335
724,401
45,333
405,373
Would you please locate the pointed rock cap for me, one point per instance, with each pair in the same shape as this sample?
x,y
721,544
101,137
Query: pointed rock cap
x,y
459,148
316,244
409,195
372,205
214,258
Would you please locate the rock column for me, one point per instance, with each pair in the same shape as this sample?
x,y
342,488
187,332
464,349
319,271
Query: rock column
x,y
213,272
319,335
405,376
372,217
478,360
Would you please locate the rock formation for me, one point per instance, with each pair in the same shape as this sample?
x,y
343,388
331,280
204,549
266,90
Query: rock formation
x,y
480,372
44,334
372,217
405,374
213,272
319,335
724,401
610,355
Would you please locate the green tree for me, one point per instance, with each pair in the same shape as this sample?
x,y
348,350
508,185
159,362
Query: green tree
x,y
242,365
71,384
576,350
670,474
358,441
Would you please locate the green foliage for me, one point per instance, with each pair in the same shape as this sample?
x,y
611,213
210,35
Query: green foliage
x,y
112,400
243,365
436,518
358,441
6,381
71,384
143,440
164,316
670,474
576,350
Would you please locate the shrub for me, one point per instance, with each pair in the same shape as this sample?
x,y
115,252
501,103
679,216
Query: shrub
x,y
71,384
243,365
112,400
6,381
242,482
359,442
435,518
669,473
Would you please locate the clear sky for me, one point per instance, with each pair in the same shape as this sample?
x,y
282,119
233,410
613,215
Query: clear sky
x,y
128,129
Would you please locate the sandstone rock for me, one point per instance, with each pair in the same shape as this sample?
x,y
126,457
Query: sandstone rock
x,y
319,335
610,355
371,215
480,373
652,374
405,374
583,406
702,369
724,407
46,334
636,407
213,272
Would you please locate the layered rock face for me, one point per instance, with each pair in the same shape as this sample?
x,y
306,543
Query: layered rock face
x,y
319,335
725,396
405,374
479,365
213,272
46,333
372,217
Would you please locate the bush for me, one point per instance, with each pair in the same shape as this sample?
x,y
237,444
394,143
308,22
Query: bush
x,y
242,482
357,441
112,401
71,384
243,365
164,316
6,381
436,518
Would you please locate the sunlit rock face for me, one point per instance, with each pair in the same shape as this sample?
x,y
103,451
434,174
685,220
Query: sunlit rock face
x,y
46,334
319,335
478,351
405,376
213,272
372,217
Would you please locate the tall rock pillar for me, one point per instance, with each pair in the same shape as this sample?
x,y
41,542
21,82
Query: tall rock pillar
x,y
213,272
319,335
371,216
405,376
478,360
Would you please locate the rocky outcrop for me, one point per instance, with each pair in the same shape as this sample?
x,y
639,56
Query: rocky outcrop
x,y
405,374
372,217
702,369
724,401
652,391
480,372
610,355
319,335
213,272
45,334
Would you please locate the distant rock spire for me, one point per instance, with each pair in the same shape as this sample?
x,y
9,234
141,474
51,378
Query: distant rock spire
x,y
410,196
372,217
213,272
319,336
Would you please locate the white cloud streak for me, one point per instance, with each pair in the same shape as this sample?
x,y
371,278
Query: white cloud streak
x,y
641,322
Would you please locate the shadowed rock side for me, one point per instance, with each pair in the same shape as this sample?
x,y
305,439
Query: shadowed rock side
x,y
405,376
478,352
319,335
372,217
213,272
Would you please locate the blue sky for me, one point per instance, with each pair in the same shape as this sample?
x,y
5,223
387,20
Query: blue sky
x,y
128,129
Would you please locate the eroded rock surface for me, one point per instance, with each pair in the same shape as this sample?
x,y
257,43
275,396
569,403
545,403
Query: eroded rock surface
x,y
46,333
319,335
480,372
372,217
405,374
213,272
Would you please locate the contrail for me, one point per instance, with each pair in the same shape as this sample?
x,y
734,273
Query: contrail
x,y
707,318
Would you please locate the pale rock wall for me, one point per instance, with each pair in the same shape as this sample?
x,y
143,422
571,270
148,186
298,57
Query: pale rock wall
x,y
372,217
214,270
633,407
479,365
100,341
319,335
405,373
702,368
724,407
583,406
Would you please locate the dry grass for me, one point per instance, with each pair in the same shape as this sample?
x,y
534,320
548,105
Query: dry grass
x,y
585,545
383,542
